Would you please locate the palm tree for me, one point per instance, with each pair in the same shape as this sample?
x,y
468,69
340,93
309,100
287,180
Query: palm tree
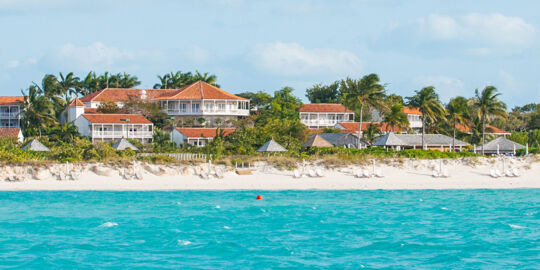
x,y
69,85
427,101
487,104
367,92
38,111
206,77
457,110
372,131
395,117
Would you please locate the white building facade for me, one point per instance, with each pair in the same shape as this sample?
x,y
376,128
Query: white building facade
x,y
10,111
324,115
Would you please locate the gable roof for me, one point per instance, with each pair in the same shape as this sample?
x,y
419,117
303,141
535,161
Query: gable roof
x,y
391,139
35,145
123,144
272,146
409,110
504,145
489,129
11,100
127,94
200,90
203,132
352,127
317,141
115,118
76,103
342,139
324,107
10,132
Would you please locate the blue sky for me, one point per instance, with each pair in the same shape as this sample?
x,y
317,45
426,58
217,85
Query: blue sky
x,y
456,46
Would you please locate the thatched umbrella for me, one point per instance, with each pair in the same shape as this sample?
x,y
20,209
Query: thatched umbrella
x,y
317,141
123,144
271,146
35,145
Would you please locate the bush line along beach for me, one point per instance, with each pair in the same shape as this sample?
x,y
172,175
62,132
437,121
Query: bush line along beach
x,y
96,132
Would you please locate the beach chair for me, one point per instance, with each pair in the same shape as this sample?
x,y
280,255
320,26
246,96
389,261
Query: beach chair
x,y
297,174
219,174
358,174
378,173
139,175
366,173
509,173
445,173
498,173
312,173
516,172
319,172
435,173
492,173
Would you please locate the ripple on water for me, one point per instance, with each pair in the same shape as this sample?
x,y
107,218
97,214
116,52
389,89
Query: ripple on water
x,y
108,224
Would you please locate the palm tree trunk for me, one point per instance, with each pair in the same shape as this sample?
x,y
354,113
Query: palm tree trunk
x,y
483,134
423,131
360,126
454,138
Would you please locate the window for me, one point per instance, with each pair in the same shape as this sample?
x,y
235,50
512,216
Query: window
x,y
183,107
208,107
221,107
195,107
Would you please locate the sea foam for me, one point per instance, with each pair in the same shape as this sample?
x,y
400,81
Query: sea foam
x,y
108,224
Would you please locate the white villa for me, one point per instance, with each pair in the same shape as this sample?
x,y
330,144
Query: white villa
x,y
197,100
10,111
109,127
324,115
196,136
415,118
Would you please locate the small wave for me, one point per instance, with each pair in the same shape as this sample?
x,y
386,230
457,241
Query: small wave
x,y
184,242
420,200
513,226
226,227
218,207
444,208
108,224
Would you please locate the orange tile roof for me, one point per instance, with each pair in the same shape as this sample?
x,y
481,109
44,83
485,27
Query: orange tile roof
x,y
203,132
324,107
409,110
115,118
352,127
10,132
76,102
126,94
489,129
315,130
200,90
11,100
90,110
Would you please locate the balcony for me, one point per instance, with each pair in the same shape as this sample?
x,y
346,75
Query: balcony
x,y
323,122
207,112
9,115
120,134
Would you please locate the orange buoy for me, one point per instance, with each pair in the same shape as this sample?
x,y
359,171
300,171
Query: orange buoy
x,y
259,197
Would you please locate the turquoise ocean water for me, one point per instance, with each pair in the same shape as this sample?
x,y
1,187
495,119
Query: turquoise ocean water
x,y
448,229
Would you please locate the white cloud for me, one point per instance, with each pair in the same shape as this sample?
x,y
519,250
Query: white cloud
x,y
21,63
293,59
486,30
447,87
95,55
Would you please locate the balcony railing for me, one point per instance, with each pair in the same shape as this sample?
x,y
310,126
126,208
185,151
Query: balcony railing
x,y
11,115
120,134
323,122
207,112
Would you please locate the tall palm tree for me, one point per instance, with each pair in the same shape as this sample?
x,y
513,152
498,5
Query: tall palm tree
x,y
457,110
69,85
395,117
367,92
488,104
38,111
427,101
206,77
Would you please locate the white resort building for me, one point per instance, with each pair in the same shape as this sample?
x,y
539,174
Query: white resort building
x,y
196,136
10,111
197,100
324,115
109,127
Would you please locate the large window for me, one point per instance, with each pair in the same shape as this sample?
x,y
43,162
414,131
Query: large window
x,y
195,107
182,107
221,107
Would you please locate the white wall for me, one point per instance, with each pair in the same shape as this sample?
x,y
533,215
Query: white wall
x,y
177,137
83,126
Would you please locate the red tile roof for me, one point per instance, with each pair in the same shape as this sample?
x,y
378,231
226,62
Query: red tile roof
x,y
10,132
489,129
115,118
324,107
127,94
409,110
76,102
90,110
315,130
200,90
11,100
352,127
203,132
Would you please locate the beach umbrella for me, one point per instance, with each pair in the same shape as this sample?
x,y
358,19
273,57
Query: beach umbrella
x,y
318,141
35,145
272,146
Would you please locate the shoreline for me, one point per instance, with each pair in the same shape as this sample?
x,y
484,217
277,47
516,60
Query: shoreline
x,y
410,175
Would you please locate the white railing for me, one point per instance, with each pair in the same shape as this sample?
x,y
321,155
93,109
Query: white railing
x,y
12,115
207,112
323,122
120,134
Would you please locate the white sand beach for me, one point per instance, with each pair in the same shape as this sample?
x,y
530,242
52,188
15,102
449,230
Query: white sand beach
x,y
397,174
